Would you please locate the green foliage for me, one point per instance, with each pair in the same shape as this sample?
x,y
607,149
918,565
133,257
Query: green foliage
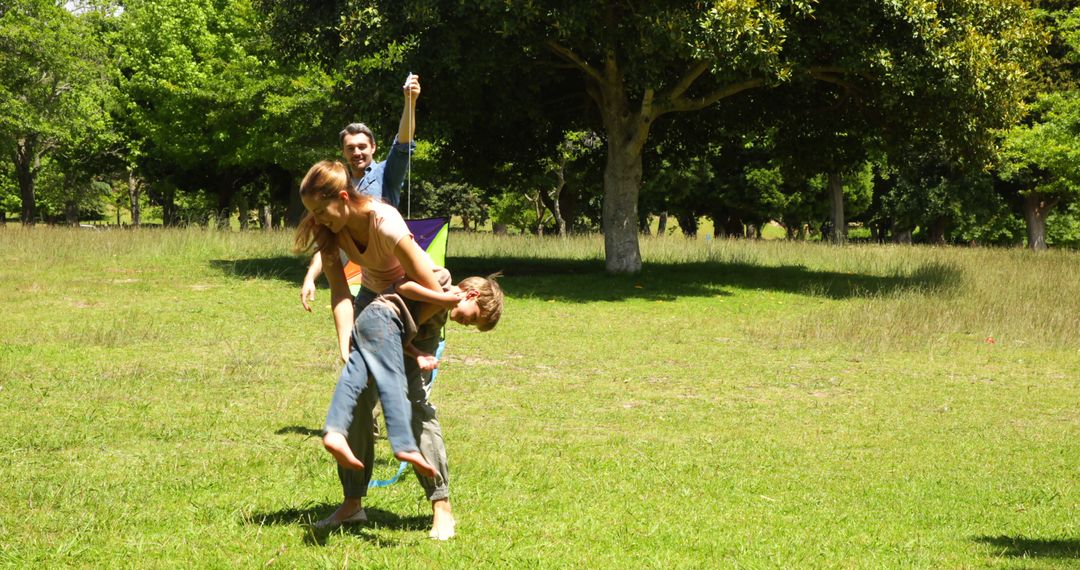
x,y
515,209
453,199
55,87
1044,156
9,188
1063,226
209,102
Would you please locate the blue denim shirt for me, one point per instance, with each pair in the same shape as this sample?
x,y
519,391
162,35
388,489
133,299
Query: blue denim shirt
x,y
383,180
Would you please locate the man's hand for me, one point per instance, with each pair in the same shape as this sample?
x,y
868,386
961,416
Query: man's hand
x,y
307,293
412,88
427,362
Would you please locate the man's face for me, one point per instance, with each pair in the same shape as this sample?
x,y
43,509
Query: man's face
x,y
358,151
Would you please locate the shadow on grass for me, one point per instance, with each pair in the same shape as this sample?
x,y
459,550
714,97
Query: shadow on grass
x,y
310,432
1021,547
284,267
303,518
586,281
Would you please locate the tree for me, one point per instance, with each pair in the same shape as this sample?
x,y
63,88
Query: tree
x,y
1038,161
955,64
210,106
556,174
55,84
1043,159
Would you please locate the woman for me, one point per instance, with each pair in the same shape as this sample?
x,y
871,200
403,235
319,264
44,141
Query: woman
x,y
374,236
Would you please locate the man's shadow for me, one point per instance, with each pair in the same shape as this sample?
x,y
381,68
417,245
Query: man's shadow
x,y
1023,547
305,517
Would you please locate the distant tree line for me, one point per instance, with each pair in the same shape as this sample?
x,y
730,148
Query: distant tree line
x,y
950,122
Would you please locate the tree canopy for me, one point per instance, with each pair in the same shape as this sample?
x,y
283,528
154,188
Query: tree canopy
x,y
947,121
951,71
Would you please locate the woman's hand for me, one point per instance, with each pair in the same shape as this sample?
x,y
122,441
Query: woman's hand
x,y
307,293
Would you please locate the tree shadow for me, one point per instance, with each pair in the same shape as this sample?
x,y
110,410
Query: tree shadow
x,y
303,518
284,267
585,281
1021,547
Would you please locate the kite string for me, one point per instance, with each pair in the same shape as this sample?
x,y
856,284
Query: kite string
x,y
408,167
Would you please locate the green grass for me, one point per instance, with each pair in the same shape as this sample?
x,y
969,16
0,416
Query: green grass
x,y
737,404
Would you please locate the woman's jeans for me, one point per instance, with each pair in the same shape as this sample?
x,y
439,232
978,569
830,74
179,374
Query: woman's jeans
x,y
375,351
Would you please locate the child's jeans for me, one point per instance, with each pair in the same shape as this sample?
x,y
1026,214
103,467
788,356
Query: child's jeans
x,y
376,352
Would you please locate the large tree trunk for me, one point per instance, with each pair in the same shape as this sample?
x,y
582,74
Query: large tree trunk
x,y
661,224
25,169
626,132
622,182
134,194
836,195
1036,206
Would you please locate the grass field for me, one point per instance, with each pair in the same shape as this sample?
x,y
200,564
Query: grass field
x,y
736,405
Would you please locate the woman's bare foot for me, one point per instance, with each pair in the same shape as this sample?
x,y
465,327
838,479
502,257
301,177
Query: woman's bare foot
x,y
418,462
442,522
338,446
350,511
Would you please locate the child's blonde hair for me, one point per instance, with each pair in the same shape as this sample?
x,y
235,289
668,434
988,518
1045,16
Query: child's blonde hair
x,y
490,299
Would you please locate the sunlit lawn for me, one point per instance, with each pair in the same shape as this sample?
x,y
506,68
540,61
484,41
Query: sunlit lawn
x,y
738,404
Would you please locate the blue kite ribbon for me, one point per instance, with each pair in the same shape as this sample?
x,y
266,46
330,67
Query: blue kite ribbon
x,y
379,483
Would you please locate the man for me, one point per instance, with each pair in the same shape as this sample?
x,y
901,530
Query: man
x,y
384,180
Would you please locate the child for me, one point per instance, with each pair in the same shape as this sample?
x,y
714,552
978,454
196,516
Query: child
x,y
476,301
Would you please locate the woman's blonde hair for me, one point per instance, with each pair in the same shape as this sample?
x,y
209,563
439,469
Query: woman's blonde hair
x,y
324,181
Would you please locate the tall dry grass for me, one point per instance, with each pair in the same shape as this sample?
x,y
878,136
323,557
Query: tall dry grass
x,y
874,296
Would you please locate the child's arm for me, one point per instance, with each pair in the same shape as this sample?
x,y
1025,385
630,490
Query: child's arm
x,y
433,302
416,292
425,361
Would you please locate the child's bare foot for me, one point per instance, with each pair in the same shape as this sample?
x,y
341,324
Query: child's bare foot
x,y
418,462
442,523
338,446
